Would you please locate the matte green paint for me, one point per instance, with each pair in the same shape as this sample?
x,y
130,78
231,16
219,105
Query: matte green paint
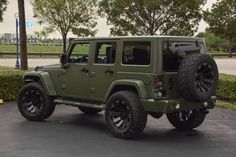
x,y
44,78
139,85
69,83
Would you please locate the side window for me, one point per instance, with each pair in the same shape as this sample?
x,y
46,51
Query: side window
x,y
136,53
105,53
79,53
170,58
185,47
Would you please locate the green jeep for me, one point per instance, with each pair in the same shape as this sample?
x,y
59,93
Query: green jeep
x,y
129,78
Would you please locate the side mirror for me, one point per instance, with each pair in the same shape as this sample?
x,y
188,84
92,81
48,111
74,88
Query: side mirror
x,y
63,59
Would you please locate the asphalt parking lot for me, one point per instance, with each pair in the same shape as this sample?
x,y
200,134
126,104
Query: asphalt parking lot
x,y
70,133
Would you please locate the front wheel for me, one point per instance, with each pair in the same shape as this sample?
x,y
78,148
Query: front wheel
x,y
125,116
186,120
33,102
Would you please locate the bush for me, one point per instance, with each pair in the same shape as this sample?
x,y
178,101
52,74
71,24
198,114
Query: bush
x,y
227,87
10,83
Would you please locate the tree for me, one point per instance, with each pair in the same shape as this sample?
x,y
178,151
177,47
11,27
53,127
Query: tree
x,y
213,42
150,17
222,20
201,34
3,7
64,16
23,39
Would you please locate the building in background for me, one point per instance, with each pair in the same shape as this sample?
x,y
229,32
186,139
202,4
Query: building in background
x,y
9,39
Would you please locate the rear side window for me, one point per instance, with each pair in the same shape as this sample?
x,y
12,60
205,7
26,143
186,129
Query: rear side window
x,y
172,56
136,53
105,53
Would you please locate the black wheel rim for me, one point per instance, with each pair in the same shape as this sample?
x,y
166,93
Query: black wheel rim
x,y
32,103
184,115
204,77
120,115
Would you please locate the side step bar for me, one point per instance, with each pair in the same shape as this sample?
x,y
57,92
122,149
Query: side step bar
x,y
78,104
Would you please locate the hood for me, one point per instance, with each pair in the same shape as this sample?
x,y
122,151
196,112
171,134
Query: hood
x,y
53,66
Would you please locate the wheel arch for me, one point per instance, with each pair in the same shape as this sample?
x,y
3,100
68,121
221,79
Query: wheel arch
x,y
42,77
136,86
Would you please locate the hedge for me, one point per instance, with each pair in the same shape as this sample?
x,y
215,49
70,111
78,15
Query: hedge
x,y
11,81
227,87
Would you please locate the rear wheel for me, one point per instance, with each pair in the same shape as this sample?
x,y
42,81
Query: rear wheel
x,y
186,120
125,116
87,110
33,103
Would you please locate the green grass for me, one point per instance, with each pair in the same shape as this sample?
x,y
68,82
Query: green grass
x,y
6,70
224,57
219,52
228,77
33,48
83,49
226,104
58,49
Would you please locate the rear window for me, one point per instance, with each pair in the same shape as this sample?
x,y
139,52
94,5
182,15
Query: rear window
x,y
172,56
136,53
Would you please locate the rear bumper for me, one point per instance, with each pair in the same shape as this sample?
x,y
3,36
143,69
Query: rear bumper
x,y
171,105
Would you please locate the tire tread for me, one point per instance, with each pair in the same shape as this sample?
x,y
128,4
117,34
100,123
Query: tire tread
x,y
139,116
49,106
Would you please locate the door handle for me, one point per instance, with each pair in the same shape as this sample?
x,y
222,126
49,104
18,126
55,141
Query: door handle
x,y
84,70
92,74
109,72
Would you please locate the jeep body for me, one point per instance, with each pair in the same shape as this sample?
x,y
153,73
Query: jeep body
x,y
93,69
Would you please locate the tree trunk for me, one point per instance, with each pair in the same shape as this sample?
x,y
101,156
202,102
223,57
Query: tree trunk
x,y
23,39
230,47
151,31
64,37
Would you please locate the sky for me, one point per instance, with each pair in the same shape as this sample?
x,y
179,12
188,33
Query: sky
x,y
8,25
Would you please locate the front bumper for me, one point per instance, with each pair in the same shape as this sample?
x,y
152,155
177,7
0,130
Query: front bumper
x,y
171,105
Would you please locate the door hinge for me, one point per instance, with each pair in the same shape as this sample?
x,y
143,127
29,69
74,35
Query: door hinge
x,y
92,90
92,74
63,86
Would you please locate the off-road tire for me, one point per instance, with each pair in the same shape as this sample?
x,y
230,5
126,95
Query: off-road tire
x,y
47,107
197,77
195,120
87,110
138,117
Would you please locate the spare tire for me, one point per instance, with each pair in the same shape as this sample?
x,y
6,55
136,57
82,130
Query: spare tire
x,y
197,77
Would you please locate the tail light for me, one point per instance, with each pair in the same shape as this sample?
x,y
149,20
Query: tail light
x,y
159,91
157,80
